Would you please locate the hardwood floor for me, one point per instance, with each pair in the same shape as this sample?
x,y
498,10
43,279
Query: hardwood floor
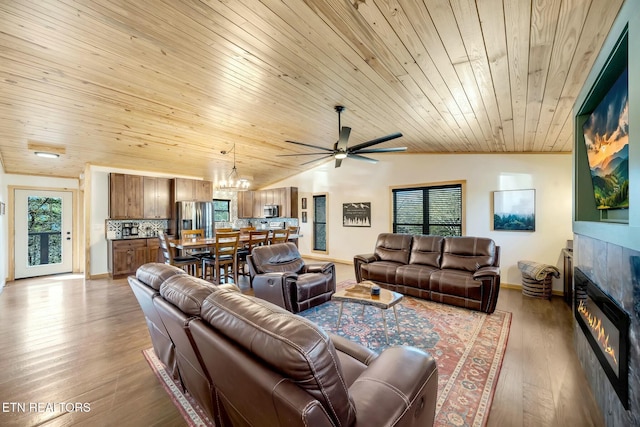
x,y
70,341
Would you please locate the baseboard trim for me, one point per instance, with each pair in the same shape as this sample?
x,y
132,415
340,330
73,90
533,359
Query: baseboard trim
x,y
99,276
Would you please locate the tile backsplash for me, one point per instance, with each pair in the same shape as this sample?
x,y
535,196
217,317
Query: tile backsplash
x,y
144,227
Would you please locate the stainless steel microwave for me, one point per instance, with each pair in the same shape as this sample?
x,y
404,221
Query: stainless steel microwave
x,y
271,211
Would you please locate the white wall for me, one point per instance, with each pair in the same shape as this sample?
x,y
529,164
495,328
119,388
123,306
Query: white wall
x,y
549,174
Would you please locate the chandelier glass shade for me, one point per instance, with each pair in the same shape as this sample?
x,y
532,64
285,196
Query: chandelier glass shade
x,y
234,182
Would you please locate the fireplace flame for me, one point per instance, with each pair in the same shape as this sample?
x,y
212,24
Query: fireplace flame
x,y
595,324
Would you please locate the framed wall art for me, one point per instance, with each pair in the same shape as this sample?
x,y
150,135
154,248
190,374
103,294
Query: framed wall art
x,y
304,203
304,216
514,210
356,214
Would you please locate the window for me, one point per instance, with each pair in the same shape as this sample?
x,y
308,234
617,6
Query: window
x,y
320,223
435,210
221,210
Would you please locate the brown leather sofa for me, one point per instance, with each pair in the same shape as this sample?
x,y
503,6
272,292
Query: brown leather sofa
x,y
251,363
461,271
280,276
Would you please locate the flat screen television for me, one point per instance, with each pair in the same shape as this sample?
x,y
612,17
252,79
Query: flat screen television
x,y
606,136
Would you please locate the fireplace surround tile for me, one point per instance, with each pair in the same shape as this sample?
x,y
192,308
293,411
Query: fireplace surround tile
x,y
616,270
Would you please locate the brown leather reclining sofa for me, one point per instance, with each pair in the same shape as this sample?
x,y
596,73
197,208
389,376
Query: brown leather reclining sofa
x,y
461,271
251,363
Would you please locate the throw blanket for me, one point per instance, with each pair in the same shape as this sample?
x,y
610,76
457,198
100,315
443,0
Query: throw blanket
x,y
537,271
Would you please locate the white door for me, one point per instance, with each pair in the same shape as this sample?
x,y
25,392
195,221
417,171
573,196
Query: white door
x,y
43,224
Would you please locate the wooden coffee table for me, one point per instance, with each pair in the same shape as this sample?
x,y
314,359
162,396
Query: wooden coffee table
x,y
361,294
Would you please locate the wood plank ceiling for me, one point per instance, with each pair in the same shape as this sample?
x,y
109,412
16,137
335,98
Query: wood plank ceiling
x,y
166,85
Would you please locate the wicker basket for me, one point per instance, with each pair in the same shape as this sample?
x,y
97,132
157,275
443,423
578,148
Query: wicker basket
x,y
537,288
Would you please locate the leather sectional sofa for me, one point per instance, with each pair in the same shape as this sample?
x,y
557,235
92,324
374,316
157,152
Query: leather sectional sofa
x,y
251,363
461,271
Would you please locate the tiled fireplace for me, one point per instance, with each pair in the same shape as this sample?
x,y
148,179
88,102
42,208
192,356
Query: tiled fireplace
x,y
612,367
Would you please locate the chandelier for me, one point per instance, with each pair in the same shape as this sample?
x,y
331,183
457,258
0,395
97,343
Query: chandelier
x,y
233,182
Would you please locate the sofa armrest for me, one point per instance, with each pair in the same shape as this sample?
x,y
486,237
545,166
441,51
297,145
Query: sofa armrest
x,y
487,271
359,352
358,260
324,267
398,388
273,287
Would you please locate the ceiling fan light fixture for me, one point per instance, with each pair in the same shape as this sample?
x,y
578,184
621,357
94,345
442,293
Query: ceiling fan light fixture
x,y
340,155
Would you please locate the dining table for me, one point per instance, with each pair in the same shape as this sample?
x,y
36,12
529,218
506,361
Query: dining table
x,y
209,242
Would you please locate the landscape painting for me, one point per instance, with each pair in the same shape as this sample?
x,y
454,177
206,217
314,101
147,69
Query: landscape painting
x,y
514,210
606,136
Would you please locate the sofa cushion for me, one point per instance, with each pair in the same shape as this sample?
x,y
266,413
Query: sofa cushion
x,y
380,271
154,273
468,253
277,258
414,275
393,247
186,292
426,250
295,347
456,282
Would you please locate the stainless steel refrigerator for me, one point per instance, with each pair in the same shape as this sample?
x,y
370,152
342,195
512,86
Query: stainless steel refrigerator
x,y
195,216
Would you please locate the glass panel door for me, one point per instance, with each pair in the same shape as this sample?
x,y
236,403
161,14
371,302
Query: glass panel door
x,y
43,243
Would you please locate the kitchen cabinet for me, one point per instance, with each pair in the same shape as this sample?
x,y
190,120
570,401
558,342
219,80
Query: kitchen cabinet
x,y
245,204
193,190
126,256
286,198
157,198
153,250
125,196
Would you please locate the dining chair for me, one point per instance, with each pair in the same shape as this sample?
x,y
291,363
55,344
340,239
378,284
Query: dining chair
x,y
224,230
293,229
279,236
186,262
246,230
256,238
224,259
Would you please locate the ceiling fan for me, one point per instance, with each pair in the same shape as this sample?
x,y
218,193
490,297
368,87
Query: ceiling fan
x,y
341,150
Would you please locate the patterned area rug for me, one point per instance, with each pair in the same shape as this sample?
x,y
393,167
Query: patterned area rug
x,y
468,347
193,415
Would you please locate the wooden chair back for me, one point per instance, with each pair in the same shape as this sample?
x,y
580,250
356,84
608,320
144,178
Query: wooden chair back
x,y
192,234
165,248
279,236
224,230
293,229
257,238
246,230
225,256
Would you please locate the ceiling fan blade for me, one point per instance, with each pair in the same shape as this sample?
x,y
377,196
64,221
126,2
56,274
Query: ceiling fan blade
x,y
344,138
375,141
301,154
338,163
315,160
312,146
380,150
359,157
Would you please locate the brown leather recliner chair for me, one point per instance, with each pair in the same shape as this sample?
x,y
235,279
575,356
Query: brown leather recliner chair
x,y
146,287
273,368
280,276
